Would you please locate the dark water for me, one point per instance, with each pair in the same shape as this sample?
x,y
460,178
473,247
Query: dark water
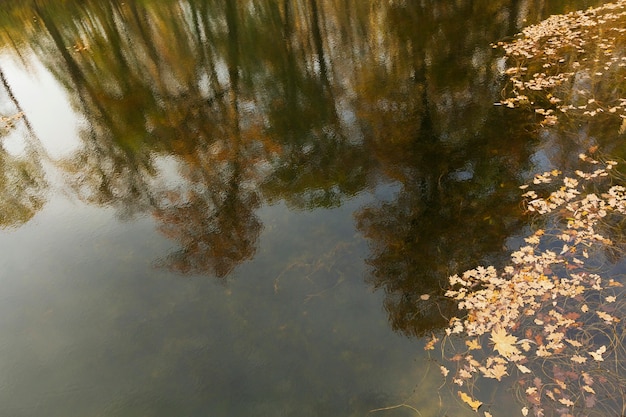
x,y
233,208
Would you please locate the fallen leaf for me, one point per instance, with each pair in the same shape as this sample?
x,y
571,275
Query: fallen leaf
x,y
574,343
590,401
474,404
566,401
503,342
589,389
587,378
473,344
497,371
597,355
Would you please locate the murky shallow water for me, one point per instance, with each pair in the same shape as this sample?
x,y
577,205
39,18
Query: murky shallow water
x,y
233,208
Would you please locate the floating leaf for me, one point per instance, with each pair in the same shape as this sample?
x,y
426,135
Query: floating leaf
x,y
589,389
474,404
605,316
503,342
597,355
473,344
497,371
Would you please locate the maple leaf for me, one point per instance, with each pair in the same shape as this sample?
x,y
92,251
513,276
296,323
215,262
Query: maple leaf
x,y
587,378
607,317
574,343
431,343
597,355
589,389
503,342
497,371
474,404
465,374
473,344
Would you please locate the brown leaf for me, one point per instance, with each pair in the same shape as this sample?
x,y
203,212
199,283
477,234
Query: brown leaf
x,y
590,401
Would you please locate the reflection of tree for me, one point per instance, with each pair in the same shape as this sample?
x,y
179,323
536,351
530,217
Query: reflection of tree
x,y
304,101
215,236
149,101
432,129
22,179
21,186
318,165
214,221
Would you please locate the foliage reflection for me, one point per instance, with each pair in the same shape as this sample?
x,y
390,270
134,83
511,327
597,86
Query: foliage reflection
x,y
308,102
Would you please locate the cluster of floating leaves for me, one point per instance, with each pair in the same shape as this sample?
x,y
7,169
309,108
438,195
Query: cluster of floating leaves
x,y
575,51
548,321
8,122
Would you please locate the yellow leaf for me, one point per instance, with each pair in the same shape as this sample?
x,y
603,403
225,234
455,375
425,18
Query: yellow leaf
x,y
589,389
503,342
597,355
574,343
497,371
474,404
607,317
473,344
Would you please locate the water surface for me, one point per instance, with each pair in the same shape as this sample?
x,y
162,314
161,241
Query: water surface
x,y
236,207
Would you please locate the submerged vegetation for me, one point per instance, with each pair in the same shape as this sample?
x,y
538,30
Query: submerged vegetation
x,y
550,321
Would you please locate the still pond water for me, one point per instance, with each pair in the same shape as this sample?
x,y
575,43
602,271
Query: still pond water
x,y
236,208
